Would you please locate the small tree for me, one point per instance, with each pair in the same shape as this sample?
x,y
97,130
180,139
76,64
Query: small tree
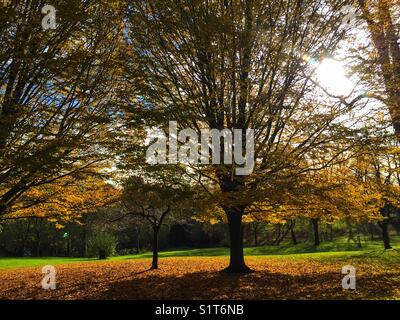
x,y
154,200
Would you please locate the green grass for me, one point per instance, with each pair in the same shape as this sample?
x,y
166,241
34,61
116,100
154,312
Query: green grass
x,y
11,263
337,250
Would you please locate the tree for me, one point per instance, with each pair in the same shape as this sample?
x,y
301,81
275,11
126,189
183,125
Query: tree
x,y
57,92
293,234
315,226
380,19
64,200
379,166
237,65
154,200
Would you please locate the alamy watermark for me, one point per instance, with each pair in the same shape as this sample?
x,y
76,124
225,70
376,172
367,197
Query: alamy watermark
x,y
349,281
349,19
49,20
210,140
49,280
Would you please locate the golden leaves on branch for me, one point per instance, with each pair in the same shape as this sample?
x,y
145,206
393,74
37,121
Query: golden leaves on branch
x,y
65,200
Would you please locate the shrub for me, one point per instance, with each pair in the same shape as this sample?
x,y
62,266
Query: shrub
x,y
102,245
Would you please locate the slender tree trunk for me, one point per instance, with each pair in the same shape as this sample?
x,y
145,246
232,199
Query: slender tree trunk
x,y
256,235
314,223
236,262
385,234
359,241
279,231
38,244
154,262
282,234
85,237
24,238
293,235
137,240
69,245
85,242
371,230
38,225
351,234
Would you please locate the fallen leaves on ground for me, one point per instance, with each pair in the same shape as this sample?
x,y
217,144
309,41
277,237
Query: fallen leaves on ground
x,y
199,278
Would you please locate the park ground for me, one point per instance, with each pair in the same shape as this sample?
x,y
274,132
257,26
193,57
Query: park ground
x,y
281,272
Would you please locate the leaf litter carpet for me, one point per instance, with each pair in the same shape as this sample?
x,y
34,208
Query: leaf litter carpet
x,y
199,278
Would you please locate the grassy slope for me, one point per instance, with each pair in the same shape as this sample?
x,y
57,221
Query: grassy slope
x,y
337,250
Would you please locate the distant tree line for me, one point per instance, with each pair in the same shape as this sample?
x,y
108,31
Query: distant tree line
x,y
38,237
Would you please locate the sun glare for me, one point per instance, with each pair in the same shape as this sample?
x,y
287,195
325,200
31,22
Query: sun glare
x,y
331,75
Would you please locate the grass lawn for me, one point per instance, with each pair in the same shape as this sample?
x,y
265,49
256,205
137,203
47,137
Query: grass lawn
x,y
337,250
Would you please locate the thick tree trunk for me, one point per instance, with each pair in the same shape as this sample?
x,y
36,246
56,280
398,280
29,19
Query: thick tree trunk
x,y
314,223
385,234
236,262
154,262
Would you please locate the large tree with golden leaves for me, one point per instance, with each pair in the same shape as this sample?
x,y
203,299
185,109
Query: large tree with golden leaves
x,y
239,64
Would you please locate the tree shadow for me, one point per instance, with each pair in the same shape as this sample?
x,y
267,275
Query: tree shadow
x,y
259,285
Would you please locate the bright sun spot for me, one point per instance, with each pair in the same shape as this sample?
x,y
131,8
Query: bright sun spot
x,y
331,76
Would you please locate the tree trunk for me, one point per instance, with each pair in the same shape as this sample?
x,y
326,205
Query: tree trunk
x,y
281,234
293,235
236,262
137,240
359,241
256,235
69,246
38,248
85,243
85,237
351,234
385,234
24,238
371,230
314,222
154,262
102,255
385,40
